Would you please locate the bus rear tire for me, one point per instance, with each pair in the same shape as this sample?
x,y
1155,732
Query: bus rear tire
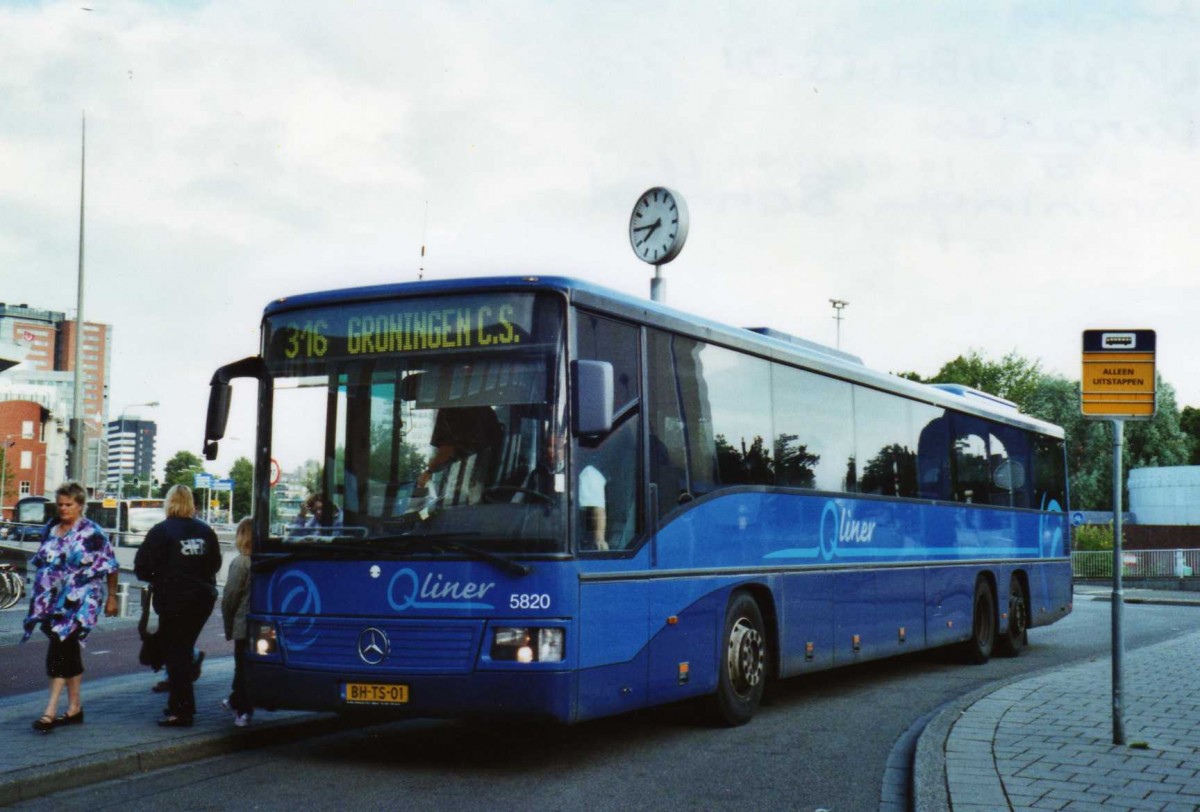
x,y
742,664
978,649
1009,644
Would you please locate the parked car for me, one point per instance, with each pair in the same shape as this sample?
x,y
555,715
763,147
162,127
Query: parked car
x,y
25,532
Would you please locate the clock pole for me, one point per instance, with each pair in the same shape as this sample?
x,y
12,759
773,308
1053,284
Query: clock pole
x,y
658,228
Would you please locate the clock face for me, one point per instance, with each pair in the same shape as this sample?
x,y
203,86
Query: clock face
x,y
658,226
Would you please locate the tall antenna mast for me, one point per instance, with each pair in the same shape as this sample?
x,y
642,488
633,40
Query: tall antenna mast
x,y
424,231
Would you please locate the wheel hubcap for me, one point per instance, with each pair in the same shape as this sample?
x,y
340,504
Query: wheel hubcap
x,y
983,623
745,657
1016,614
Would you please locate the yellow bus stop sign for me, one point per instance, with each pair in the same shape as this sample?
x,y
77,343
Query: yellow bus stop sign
x,y
1118,374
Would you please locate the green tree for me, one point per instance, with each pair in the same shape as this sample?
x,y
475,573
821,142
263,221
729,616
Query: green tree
x,y
751,465
10,480
181,470
1013,377
242,474
1189,423
1148,443
795,465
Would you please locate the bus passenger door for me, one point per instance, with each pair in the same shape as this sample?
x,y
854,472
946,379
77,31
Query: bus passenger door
x,y
607,526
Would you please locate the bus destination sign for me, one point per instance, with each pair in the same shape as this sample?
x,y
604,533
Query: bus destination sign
x,y
478,322
1118,374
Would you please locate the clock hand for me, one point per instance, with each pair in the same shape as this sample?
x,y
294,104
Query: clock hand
x,y
651,227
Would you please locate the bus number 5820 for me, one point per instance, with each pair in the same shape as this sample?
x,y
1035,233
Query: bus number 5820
x,y
528,601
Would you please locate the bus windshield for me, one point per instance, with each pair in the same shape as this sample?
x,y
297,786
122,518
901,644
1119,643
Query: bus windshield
x,y
420,424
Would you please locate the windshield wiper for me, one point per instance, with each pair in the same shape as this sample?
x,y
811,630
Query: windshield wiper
x,y
375,548
443,543
309,551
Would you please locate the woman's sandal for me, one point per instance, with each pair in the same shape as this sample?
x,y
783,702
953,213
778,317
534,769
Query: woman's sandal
x,y
175,721
44,724
72,719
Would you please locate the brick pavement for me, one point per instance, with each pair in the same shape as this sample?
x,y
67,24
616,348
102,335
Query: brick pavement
x,y
119,736
1045,742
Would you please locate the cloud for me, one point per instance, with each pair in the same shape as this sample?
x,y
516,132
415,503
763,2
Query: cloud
x,y
997,177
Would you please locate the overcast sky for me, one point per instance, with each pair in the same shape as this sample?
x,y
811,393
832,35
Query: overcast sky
x,y
995,176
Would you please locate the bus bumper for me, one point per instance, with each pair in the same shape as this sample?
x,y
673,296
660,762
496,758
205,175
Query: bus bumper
x,y
545,694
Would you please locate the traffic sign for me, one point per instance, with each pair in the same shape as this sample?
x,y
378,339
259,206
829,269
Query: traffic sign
x,y
276,472
1118,374
222,484
202,481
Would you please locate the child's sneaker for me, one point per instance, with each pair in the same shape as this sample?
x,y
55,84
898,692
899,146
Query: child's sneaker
x,y
225,704
243,719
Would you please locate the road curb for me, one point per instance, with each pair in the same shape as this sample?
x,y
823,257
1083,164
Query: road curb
x,y
1149,601
929,789
80,771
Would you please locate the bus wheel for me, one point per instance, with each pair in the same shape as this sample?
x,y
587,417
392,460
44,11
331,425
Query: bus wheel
x,y
1009,644
978,649
743,663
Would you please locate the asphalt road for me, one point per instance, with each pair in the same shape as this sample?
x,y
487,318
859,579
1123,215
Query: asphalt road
x,y
823,743
111,649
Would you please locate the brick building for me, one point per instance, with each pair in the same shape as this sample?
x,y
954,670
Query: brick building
x,y
45,377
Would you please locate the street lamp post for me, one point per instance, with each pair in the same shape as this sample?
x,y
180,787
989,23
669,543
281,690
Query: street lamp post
x,y
838,306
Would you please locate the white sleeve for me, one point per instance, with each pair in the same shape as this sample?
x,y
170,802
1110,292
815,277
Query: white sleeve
x,y
591,488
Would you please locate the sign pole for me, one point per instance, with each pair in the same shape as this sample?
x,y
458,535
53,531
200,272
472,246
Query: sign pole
x,y
1118,595
1119,383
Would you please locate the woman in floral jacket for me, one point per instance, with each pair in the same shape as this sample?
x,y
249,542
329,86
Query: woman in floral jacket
x,y
72,564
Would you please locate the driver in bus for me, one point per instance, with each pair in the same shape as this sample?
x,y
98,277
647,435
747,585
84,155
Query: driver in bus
x,y
309,517
590,496
458,432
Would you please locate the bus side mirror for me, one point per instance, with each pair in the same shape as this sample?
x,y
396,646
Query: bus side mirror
x,y
592,397
218,415
219,398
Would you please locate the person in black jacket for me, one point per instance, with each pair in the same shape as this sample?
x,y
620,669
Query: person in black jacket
x,y
180,557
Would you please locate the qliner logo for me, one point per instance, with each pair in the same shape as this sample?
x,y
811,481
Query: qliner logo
x,y
295,596
838,525
407,590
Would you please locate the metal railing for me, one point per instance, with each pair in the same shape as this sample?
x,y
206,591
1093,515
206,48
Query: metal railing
x,y
1137,564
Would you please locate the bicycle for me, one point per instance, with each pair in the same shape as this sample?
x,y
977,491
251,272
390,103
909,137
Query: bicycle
x,y
12,586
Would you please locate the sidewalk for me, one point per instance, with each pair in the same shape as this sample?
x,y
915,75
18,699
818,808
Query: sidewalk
x,y
1045,741
125,555
119,736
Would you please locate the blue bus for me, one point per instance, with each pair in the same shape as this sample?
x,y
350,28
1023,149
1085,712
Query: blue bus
x,y
535,496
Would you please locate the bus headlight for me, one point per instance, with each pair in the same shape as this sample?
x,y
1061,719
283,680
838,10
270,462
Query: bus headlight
x,y
524,644
263,639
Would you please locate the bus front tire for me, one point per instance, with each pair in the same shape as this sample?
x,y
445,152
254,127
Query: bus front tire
x,y
742,666
977,650
1009,644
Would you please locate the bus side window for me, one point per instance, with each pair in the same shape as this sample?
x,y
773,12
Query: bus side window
x,y
610,463
882,431
672,418
739,388
972,475
933,455
1009,461
813,445
1049,474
